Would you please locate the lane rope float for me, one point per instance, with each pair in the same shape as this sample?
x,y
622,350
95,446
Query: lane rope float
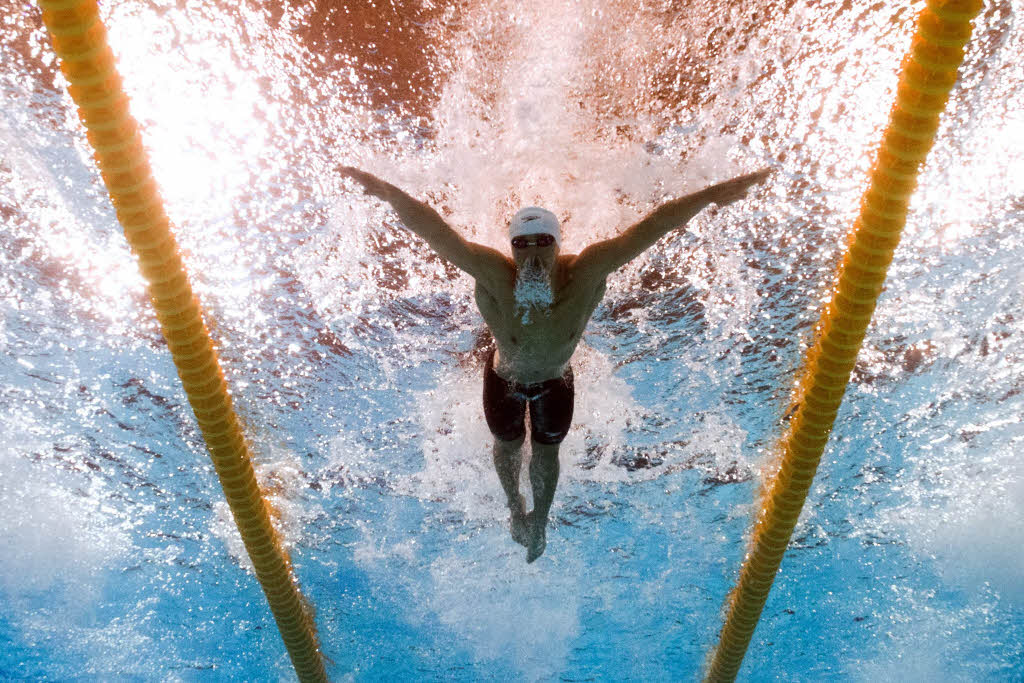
x,y
928,74
79,38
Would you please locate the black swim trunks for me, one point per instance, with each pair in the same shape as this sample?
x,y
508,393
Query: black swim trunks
x,y
551,403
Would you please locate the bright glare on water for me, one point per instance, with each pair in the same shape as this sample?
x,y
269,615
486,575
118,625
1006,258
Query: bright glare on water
x,y
348,345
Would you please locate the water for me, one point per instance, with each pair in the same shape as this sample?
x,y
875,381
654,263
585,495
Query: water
x,y
348,346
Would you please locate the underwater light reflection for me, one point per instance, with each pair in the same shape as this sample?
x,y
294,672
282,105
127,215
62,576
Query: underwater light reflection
x,y
206,120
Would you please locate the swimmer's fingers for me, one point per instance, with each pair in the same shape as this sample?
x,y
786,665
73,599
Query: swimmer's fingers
x,y
351,172
736,188
365,179
371,183
756,177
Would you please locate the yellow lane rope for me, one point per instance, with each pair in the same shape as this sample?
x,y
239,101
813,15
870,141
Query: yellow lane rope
x,y
79,39
927,77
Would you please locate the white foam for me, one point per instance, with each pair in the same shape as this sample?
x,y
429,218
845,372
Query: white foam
x,y
520,122
921,640
283,482
63,540
501,606
974,529
481,589
55,539
603,411
458,466
457,459
59,533
532,290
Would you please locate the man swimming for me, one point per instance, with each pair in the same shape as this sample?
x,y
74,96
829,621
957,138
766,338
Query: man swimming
x,y
536,305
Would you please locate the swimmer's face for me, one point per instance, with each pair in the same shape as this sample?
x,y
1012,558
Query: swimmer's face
x,y
538,250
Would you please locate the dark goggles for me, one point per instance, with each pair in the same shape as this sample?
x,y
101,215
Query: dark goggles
x,y
541,240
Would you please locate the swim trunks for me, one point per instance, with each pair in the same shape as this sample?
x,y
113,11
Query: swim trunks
x,y
550,401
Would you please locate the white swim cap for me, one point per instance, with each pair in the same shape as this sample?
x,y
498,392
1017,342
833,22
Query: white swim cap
x,y
533,220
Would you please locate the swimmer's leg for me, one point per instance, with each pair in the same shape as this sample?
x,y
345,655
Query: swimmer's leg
x,y
505,411
543,479
508,458
550,418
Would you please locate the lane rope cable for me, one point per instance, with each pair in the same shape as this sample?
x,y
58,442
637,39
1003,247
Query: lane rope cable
x,y
928,74
79,38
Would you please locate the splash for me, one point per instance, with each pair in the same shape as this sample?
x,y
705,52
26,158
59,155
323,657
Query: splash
x,y
532,291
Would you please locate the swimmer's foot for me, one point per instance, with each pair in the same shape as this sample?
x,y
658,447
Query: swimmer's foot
x,y
517,521
537,541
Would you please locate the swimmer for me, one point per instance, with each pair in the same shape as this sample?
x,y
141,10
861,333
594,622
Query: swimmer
x,y
536,304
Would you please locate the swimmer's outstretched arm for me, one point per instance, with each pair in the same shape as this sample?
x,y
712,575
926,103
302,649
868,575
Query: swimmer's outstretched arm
x,y
600,259
483,263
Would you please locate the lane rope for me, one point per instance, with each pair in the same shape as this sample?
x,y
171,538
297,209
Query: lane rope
x,y
928,74
79,38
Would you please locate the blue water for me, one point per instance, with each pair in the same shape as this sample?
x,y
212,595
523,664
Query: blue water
x,y
349,347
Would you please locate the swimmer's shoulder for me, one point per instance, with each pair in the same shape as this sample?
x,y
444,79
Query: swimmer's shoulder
x,y
495,270
579,270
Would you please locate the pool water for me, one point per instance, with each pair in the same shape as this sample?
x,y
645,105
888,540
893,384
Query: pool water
x,y
349,346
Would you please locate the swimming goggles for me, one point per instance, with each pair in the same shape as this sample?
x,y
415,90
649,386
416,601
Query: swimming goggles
x,y
540,240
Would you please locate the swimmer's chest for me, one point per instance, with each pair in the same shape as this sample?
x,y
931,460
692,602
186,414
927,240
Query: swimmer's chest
x,y
561,325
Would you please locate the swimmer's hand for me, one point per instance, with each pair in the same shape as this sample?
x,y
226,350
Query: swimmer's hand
x,y
372,185
733,190
487,266
600,259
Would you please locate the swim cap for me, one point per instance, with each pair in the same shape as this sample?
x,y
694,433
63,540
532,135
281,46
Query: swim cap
x,y
534,220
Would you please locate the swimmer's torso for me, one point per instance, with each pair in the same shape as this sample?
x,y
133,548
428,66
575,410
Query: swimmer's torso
x,y
539,349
